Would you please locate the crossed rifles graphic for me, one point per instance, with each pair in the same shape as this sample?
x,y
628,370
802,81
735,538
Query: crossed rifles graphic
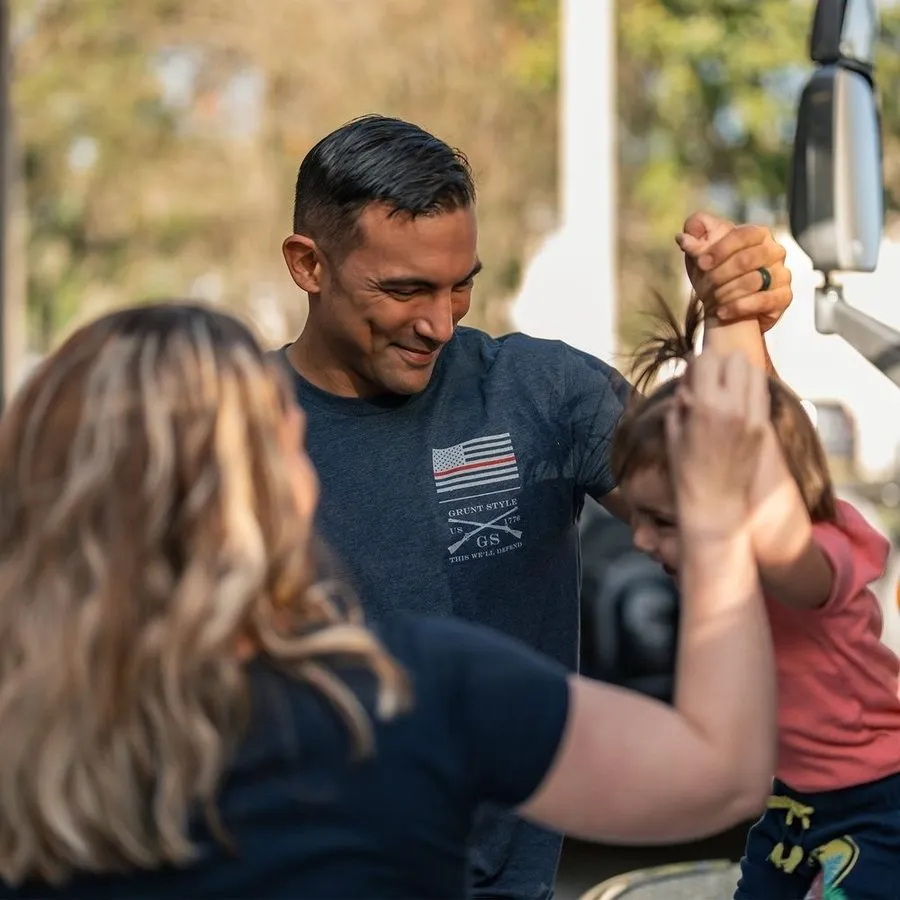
x,y
482,526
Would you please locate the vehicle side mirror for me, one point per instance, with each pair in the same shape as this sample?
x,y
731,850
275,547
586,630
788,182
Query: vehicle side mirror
x,y
836,197
845,31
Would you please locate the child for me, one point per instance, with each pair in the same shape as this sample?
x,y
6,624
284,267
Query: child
x,y
835,807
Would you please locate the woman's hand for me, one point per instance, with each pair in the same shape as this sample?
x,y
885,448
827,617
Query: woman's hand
x,y
715,430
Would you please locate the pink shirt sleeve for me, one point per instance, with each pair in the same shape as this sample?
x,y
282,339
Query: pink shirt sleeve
x,y
839,713
857,553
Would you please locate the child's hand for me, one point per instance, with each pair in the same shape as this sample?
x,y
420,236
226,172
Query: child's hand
x,y
715,429
701,231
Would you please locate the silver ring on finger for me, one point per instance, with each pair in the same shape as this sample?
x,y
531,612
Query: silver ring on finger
x,y
766,276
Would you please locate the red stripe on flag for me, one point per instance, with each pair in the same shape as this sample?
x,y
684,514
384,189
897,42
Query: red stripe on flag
x,y
477,465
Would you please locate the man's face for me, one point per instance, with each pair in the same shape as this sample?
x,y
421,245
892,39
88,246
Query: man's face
x,y
386,310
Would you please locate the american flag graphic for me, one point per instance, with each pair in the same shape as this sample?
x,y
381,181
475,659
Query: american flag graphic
x,y
476,463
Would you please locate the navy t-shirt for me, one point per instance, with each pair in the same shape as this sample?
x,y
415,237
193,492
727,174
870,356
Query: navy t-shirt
x,y
306,821
463,500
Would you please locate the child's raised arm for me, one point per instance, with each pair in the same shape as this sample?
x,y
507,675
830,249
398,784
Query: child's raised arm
x,y
793,568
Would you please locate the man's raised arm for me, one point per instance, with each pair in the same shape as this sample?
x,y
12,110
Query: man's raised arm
x,y
739,274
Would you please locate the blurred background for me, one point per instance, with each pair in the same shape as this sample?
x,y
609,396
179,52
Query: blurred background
x,y
152,147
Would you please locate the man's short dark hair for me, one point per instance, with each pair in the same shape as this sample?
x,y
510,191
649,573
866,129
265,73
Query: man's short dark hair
x,y
375,159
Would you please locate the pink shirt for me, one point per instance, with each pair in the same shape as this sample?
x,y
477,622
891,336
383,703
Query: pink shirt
x,y
839,713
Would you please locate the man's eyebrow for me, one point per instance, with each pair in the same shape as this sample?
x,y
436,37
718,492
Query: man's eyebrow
x,y
401,283
406,283
475,270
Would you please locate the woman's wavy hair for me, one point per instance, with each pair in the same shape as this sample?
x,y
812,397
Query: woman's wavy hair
x,y
639,442
149,523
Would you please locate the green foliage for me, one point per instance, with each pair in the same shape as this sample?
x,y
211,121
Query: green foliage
x,y
86,108
711,88
129,195
534,56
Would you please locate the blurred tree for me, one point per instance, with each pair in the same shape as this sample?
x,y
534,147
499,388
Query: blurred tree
x,y
712,89
159,140
708,92
86,110
888,76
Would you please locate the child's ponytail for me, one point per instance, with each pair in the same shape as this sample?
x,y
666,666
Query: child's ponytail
x,y
639,441
671,341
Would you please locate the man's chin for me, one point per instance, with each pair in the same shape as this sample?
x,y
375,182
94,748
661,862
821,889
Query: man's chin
x,y
408,383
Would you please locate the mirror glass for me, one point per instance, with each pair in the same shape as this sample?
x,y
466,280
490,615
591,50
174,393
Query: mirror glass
x,y
836,194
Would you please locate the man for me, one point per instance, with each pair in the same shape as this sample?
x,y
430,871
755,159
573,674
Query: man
x,y
454,466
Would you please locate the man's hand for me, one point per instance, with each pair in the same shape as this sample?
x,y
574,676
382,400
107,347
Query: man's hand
x,y
723,263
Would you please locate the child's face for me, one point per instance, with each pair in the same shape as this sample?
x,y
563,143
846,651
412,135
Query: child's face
x,y
653,517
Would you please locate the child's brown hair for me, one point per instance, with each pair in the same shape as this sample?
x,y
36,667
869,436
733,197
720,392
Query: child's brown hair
x,y
639,442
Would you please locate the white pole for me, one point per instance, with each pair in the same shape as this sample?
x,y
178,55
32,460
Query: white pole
x,y
588,158
569,288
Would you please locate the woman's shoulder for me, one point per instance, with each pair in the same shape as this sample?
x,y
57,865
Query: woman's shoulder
x,y
486,710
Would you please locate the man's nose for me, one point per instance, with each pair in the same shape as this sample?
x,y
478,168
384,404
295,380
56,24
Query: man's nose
x,y
436,323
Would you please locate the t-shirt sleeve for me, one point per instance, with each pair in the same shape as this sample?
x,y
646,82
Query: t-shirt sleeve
x,y
508,707
856,552
595,396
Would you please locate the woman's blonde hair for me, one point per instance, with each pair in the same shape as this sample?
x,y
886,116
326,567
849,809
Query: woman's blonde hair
x,y
148,523
639,442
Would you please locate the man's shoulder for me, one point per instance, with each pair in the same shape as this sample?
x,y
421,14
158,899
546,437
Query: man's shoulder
x,y
530,359
515,351
512,342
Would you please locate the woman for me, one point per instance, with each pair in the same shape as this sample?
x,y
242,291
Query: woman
x,y
185,711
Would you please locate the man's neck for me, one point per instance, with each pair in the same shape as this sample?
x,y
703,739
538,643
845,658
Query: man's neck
x,y
321,371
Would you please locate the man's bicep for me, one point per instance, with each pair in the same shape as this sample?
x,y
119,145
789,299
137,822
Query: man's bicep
x,y
597,397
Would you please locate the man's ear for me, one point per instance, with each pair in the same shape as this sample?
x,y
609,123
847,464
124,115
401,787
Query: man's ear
x,y
304,261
